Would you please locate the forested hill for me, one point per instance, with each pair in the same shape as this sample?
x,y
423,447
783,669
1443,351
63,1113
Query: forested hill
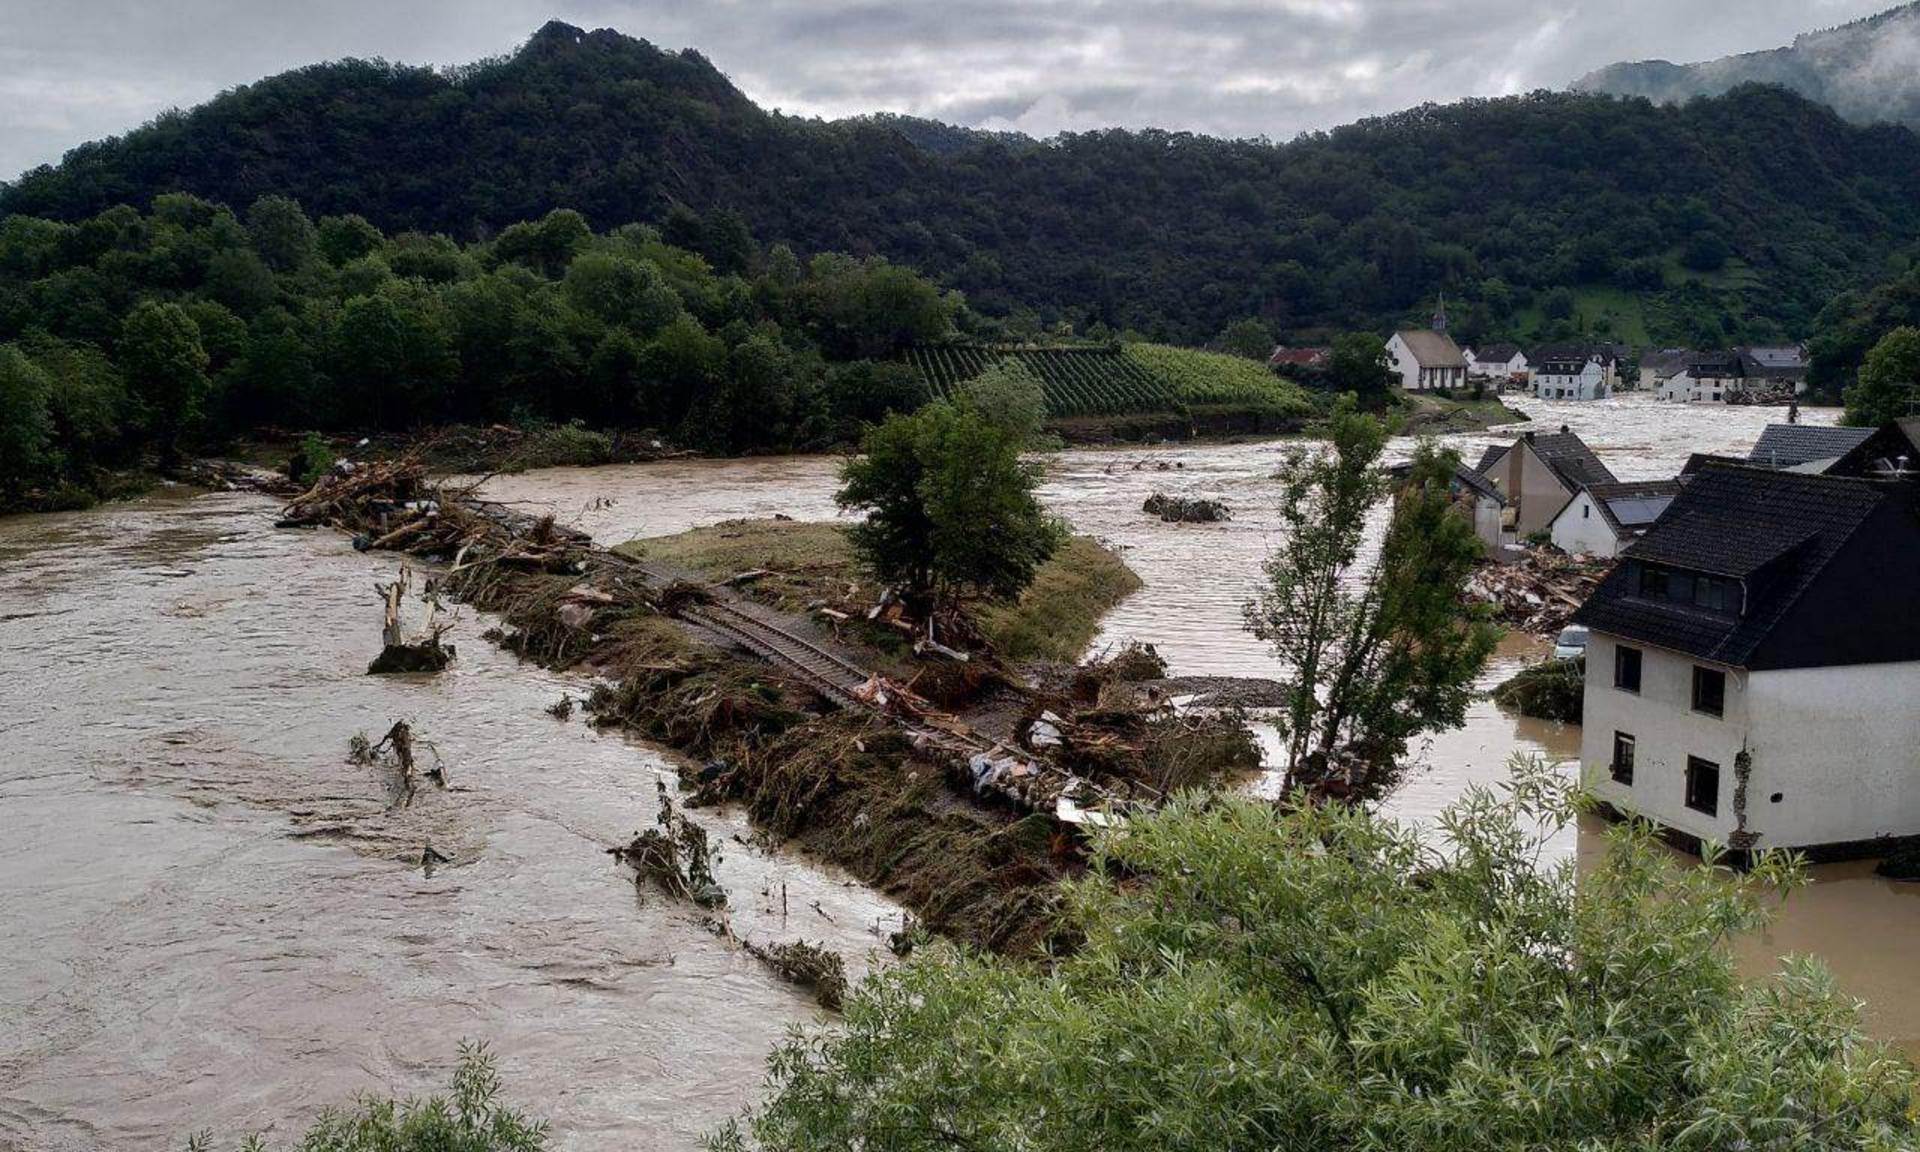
x,y
1867,70
1732,217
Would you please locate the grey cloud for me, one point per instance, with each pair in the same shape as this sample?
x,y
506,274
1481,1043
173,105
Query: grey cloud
x,y
74,70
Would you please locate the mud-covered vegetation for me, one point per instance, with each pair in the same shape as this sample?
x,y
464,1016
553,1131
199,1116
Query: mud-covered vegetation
x,y
1548,691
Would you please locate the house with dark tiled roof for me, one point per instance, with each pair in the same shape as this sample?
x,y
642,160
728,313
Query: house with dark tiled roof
x,y
1659,367
1503,363
1804,447
1474,496
1754,662
1605,518
1539,474
1709,378
1308,358
1778,367
1889,452
1575,371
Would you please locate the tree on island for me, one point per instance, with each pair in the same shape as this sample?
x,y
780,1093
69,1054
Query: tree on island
x,y
1317,977
950,506
1375,653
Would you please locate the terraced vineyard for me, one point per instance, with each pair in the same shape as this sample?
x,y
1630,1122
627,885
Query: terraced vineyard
x,y
1136,380
1077,381
1210,380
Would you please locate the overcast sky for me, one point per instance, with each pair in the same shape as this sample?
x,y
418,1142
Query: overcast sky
x,y
75,70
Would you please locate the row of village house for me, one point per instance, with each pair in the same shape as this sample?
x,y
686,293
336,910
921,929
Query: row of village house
x,y
1753,657
1427,359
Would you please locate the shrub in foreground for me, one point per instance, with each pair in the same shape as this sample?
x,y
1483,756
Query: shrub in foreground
x,y
1322,978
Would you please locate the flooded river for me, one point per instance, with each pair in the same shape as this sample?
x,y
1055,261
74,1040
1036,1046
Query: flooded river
x,y
214,920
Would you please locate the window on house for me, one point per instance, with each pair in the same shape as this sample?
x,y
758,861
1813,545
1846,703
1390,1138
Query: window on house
x,y
1703,786
1626,668
1586,511
1622,767
1653,583
1709,690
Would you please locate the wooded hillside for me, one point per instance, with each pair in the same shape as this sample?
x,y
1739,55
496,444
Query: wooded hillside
x,y
1725,219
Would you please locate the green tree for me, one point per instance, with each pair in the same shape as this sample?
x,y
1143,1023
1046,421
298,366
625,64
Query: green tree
x,y
619,289
391,356
1889,383
546,245
1358,365
872,309
1249,338
1318,977
344,239
1010,396
166,368
281,233
1374,653
27,453
950,506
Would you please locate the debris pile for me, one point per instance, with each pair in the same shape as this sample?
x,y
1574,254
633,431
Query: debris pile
x,y
675,855
808,965
1538,592
1186,509
423,653
1549,691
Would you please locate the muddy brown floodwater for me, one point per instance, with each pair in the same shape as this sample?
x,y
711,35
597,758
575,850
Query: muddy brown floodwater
x,y
1198,575
213,920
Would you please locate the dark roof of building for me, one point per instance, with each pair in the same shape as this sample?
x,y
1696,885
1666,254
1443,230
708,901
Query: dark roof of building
x,y
1575,353
1303,357
1633,506
1432,349
1497,353
1466,477
1564,453
1664,362
1789,445
1774,532
1776,356
1723,364
1889,451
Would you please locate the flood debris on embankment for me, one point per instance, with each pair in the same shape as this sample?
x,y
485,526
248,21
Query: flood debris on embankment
x,y
942,807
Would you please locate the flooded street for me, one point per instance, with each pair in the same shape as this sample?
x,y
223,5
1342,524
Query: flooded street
x,y
215,920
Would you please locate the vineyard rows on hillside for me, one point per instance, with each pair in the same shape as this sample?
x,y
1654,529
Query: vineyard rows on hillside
x,y
1137,379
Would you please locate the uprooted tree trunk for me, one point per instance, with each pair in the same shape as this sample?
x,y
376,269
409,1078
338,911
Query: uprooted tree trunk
x,y
398,654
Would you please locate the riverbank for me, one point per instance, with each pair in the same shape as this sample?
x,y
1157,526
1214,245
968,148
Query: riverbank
x,y
933,787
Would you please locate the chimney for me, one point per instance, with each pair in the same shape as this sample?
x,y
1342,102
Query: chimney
x,y
1564,429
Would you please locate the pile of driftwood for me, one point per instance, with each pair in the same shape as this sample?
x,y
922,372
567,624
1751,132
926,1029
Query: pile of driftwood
x,y
1186,509
1538,592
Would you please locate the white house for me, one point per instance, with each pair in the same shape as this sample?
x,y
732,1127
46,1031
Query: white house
x,y
1754,663
1498,362
1425,360
1539,474
1709,378
1574,372
1605,518
1658,367
1778,368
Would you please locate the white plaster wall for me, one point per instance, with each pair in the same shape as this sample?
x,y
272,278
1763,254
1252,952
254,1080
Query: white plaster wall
x,y
1666,730
1541,495
1403,363
1581,530
1842,748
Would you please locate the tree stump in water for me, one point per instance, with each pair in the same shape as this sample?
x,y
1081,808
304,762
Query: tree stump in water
x,y
397,653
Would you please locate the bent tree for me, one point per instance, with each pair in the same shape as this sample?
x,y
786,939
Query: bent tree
x,y
1376,651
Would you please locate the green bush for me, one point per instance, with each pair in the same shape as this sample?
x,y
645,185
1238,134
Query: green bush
x,y
471,1119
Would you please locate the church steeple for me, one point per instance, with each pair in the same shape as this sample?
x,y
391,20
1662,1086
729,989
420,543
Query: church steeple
x,y
1440,316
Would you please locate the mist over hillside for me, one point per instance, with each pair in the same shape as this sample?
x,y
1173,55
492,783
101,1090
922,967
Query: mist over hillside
x,y
1868,70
